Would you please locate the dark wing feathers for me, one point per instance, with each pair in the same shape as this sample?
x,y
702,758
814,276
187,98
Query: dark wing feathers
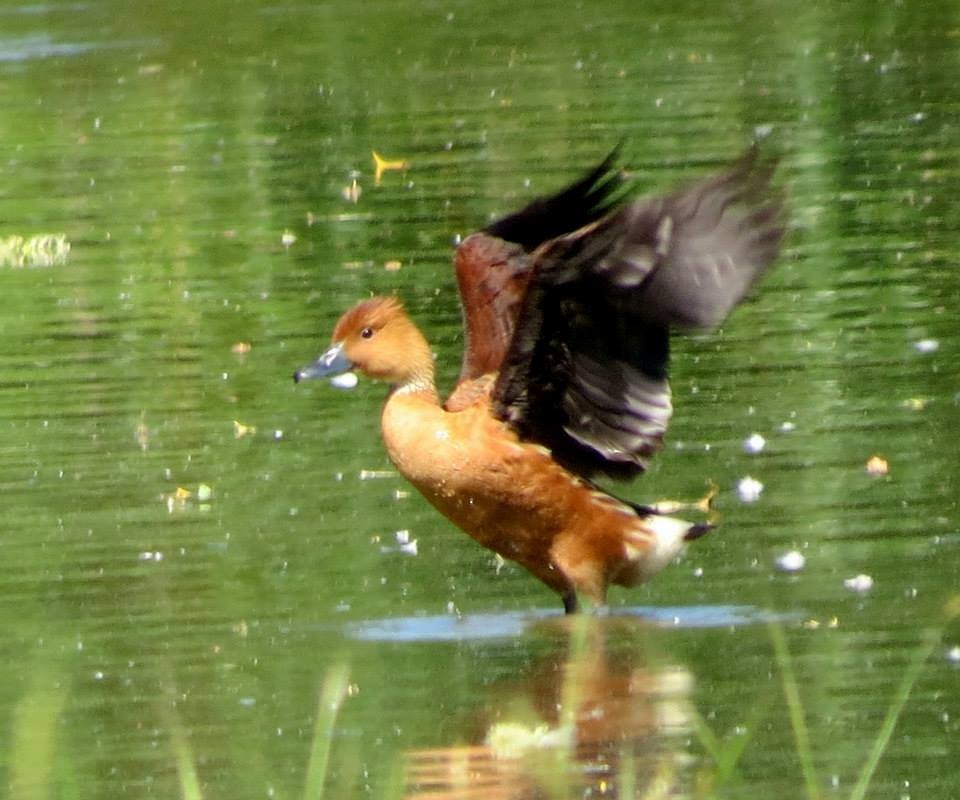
x,y
579,204
710,244
585,371
493,266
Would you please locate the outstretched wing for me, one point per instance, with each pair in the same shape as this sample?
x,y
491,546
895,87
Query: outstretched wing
x,y
493,267
586,370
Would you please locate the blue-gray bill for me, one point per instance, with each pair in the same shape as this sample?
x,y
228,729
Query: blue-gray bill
x,y
330,363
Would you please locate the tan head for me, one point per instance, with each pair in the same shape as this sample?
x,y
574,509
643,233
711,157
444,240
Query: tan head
x,y
377,338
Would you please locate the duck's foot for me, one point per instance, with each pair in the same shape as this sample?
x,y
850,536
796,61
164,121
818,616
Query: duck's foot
x,y
704,505
698,530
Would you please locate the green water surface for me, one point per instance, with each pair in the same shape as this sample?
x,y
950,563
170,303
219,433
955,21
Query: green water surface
x,y
202,589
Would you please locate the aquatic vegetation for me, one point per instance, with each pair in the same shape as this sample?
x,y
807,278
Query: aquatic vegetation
x,y
40,250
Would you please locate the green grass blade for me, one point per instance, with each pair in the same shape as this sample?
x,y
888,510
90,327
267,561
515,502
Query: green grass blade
x,y
931,640
332,693
795,707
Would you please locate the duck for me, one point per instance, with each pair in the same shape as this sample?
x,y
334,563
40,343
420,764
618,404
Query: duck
x,y
568,308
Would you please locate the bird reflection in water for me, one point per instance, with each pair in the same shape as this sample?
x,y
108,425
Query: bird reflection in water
x,y
597,717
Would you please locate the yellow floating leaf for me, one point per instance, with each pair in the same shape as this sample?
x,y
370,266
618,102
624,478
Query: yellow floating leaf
x,y
240,430
381,165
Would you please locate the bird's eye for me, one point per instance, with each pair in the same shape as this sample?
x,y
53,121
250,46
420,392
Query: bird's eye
x,y
366,333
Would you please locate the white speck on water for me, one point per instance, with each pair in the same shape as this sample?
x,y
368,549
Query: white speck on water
x,y
348,380
375,474
754,443
402,536
926,346
859,583
953,654
787,427
794,561
278,434
409,548
749,489
698,572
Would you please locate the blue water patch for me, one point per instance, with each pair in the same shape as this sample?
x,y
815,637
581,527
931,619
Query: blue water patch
x,y
470,627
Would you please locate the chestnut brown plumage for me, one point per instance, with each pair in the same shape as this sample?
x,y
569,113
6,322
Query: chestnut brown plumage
x,y
568,307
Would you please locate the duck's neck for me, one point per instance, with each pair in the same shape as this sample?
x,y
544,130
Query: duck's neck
x,y
418,379
421,386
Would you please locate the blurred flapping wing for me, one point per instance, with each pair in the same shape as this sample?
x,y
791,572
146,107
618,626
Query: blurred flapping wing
x,y
585,372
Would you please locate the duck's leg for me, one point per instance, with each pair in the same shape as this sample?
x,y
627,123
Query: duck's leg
x,y
573,605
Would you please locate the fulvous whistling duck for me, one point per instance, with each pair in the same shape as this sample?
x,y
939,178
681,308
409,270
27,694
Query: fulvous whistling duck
x,y
568,306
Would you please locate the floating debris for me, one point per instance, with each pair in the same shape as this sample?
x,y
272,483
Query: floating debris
x,y
859,583
181,498
754,443
381,165
177,501
351,193
749,489
915,403
877,466
42,250
240,430
345,380
787,427
794,561
393,265
287,238
953,654
407,545
814,624
241,348
142,433
376,474
926,346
